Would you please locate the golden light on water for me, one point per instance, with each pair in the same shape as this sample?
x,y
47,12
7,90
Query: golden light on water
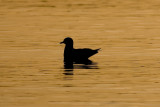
x,y
125,73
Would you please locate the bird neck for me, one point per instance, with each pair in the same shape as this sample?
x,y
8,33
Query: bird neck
x,y
69,46
68,54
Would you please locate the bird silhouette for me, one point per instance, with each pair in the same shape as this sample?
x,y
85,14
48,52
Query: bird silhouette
x,y
72,55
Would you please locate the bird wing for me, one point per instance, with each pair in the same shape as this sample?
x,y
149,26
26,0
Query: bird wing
x,y
84,53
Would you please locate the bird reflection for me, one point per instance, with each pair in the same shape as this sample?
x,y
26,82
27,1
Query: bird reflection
x,y
87,64
68,68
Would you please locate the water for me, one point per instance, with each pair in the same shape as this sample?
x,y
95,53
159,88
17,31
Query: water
x,y
124,74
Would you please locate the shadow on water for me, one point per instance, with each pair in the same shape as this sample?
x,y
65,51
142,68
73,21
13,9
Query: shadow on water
x,y
69,67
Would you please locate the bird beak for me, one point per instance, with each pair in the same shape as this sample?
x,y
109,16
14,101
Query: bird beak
x,y
61,42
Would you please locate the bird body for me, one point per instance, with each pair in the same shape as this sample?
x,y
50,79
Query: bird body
x,y
76,55
83,54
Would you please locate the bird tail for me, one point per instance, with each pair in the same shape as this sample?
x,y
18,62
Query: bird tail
x,y
99,49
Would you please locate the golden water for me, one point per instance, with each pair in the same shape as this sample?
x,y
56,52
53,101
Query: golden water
x,y
126,73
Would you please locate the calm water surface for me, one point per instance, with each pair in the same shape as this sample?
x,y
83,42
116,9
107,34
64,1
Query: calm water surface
x,y
126,73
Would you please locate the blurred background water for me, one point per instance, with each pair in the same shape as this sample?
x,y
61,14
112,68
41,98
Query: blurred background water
x,y
124,74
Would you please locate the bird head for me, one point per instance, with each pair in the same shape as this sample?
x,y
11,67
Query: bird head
x,y
67,41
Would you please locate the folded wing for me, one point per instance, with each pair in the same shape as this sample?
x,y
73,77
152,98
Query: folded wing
x,y
84,54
